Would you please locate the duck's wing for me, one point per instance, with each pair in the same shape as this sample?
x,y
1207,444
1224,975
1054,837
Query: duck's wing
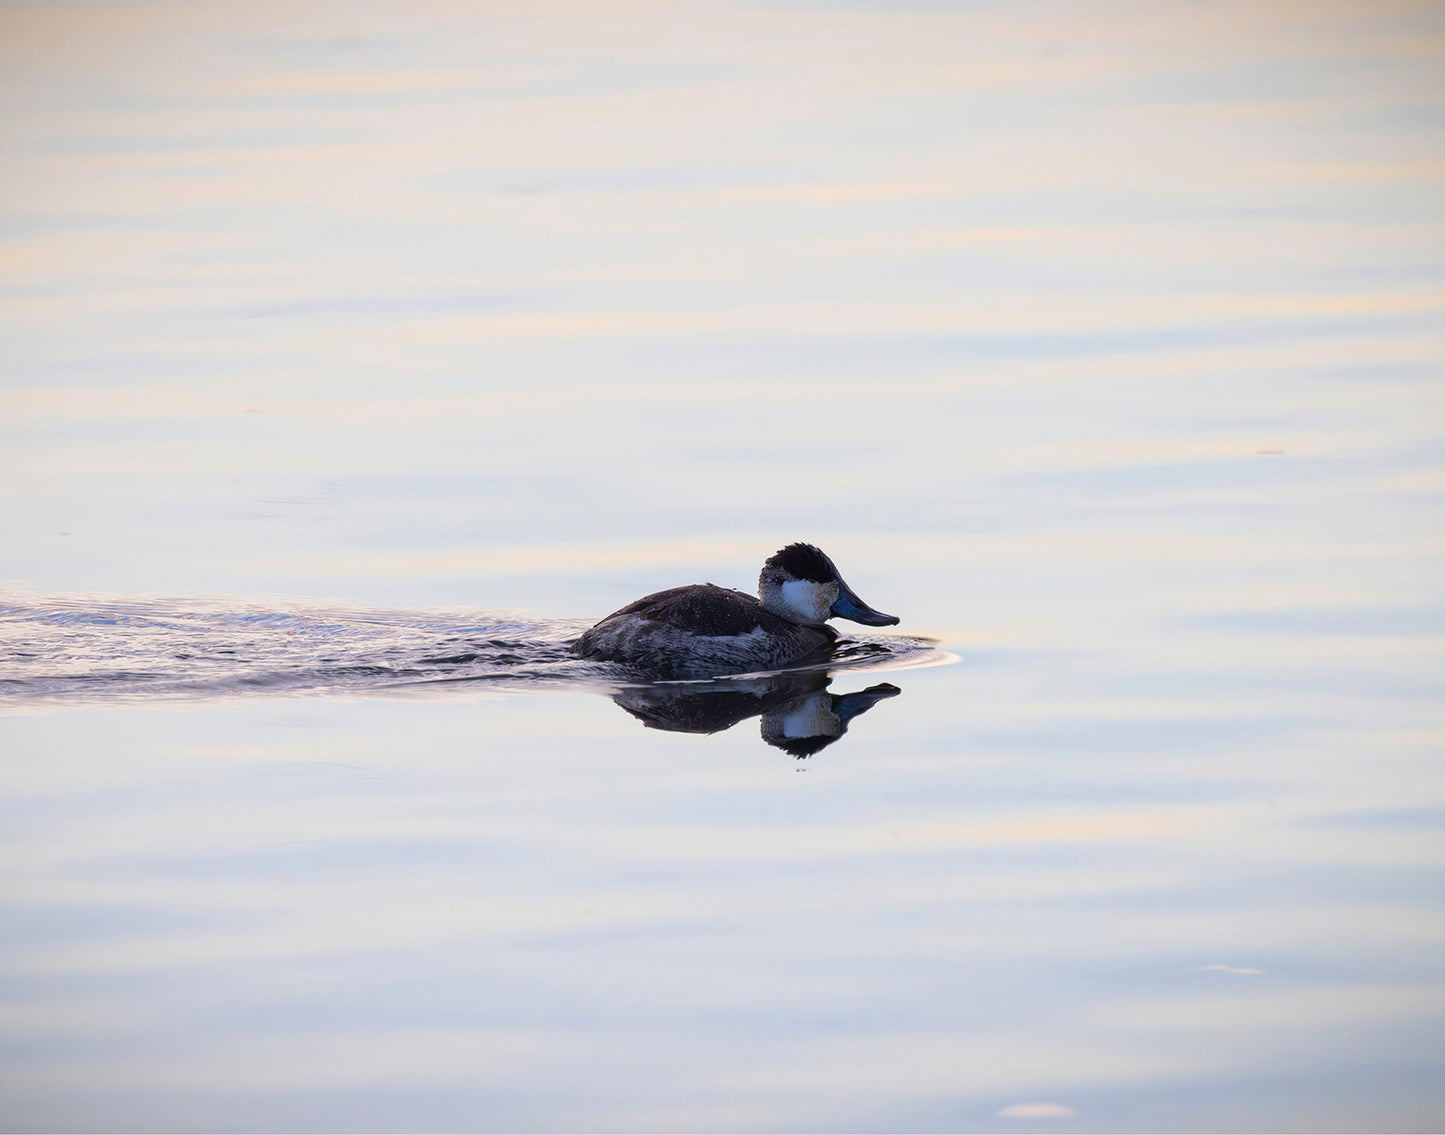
x,y
699,631
702,609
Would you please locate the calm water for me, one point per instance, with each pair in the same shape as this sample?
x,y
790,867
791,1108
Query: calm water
x,y
353,357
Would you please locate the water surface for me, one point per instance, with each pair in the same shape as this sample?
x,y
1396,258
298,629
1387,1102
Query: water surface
x,y
355,357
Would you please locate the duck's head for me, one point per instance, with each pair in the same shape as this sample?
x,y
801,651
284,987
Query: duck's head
x,y
800,583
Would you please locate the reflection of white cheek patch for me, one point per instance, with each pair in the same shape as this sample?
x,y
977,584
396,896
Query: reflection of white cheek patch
x,y
809,599
814,718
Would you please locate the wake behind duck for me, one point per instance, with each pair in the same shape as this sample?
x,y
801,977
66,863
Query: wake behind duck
x,y
59,649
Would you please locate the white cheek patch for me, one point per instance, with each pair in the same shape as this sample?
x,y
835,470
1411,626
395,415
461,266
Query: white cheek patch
x,y
810,600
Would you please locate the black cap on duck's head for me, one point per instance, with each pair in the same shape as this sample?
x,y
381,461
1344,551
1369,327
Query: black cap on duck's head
x,y
800,583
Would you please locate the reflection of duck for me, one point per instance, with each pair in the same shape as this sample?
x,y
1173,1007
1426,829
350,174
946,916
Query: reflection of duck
x,y
799,715
704,630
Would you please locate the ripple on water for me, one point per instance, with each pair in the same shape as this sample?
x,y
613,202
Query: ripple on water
x,y
87,649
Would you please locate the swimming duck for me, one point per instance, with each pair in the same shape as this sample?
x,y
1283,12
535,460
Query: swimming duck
x,y
702,630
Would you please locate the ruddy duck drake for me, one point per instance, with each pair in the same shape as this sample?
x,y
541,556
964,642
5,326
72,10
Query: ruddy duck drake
x,y
702,630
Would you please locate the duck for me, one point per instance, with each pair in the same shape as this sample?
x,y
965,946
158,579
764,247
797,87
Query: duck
x,y
706,631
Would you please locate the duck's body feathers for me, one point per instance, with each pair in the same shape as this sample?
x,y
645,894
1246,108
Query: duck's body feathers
x,y
699,631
